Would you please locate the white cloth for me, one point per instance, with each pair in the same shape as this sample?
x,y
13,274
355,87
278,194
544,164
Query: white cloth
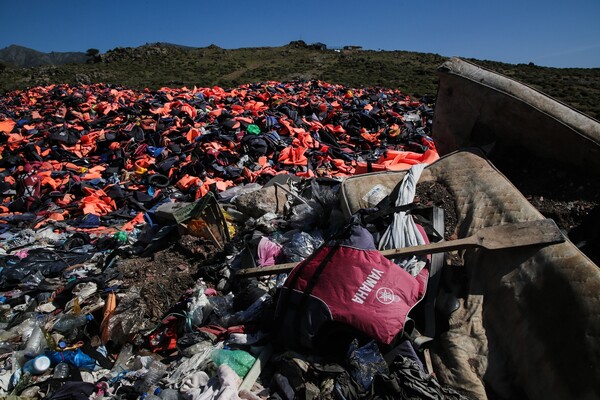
x,y
223,387
197,362
403,231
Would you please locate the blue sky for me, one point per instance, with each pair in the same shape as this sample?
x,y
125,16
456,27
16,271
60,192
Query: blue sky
x,y
549,33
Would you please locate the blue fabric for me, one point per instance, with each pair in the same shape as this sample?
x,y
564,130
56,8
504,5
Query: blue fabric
x,y
74,357
150,215
90,221
154,151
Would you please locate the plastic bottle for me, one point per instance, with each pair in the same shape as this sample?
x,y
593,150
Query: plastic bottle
x,y
37,366
248,315
36,342
17,360
156,371
123,359
62,371
69,322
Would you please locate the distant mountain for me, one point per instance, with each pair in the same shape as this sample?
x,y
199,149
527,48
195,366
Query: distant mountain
x,y
20,56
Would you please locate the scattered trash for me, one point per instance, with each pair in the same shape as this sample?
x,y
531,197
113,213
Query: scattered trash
x,y
128,220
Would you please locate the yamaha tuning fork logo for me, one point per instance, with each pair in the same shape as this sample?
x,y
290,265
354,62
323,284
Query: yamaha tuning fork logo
x,y
386,296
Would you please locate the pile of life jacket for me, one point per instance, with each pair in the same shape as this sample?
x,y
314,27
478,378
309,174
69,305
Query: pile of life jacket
x,y
70,152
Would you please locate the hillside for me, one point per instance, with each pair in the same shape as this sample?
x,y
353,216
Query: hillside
x,y
160,64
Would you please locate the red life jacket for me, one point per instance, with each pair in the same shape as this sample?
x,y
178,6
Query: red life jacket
x,y
349,282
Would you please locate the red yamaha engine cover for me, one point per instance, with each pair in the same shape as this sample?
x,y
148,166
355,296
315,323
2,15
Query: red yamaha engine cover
x,y
348,282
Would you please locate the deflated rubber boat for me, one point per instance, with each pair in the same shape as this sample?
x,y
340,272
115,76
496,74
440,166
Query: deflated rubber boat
x,y
478,107
526,322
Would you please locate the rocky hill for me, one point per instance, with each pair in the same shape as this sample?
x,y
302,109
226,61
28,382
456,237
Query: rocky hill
x,y
162,64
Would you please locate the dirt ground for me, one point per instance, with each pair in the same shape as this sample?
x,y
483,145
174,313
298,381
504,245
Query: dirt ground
x,y
435,194
568,195
167,274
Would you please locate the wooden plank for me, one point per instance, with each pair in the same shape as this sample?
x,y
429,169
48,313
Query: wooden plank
x,y
539,232
257,368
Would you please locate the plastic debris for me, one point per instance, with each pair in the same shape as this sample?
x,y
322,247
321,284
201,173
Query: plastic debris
x,y
238,360
125,215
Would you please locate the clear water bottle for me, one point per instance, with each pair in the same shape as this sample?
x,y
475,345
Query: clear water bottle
x,y
36,343
69,322
123,359
156,371
62,371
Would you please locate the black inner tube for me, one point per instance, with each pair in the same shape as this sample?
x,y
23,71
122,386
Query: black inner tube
x,y
158,180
